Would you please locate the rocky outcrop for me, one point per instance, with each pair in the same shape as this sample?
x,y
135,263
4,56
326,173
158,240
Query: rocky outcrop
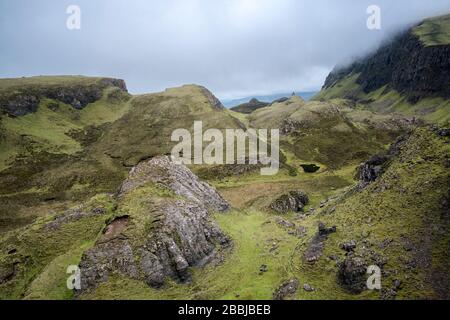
x,y
162,171
316,246
212,99
18,104
352,274
292,201
372,169
24,99
182,234
404,64
286,289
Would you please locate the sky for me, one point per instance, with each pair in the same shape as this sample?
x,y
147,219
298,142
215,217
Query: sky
x,y
235,48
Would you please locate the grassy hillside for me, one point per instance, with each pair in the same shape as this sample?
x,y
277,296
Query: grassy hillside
x,y
331,134
434,31
59,154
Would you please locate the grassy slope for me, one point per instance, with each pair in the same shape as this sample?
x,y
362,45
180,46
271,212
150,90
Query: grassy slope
x,y
332,133
41,257
435,31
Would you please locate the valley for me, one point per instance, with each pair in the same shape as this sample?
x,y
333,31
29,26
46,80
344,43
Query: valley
x,y
87,180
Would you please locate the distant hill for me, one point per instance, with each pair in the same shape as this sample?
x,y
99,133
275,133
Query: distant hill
x,y
250,106
228,103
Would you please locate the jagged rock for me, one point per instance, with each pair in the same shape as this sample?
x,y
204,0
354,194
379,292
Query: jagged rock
x,y
284,223
349,246
292,201
443,132
212,98
323,230
397,284
286,289
288,126
372,169
388,294
20,104
385,243
182,181
182,235
352,274
308,288
300,231
316,246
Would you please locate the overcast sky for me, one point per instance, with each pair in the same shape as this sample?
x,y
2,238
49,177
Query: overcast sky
x,y
234,47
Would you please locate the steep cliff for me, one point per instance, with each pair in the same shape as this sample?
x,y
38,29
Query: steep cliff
x,y
21,96
408,74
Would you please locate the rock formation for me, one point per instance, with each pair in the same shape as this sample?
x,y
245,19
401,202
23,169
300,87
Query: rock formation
x,y
181,233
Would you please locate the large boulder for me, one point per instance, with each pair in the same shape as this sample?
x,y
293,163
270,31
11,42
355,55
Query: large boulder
x,y
292,201
352,274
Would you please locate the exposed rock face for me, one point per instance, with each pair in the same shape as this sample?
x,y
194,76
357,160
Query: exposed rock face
x,y
182,234
182,181
288,126
348,246
20,104
286,289
212,99
292,201
406,65
316,246
26,99
372,169
352,274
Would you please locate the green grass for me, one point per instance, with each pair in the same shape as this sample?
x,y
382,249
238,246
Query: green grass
x,y
386,101
434,31
42,256
9,84
346,88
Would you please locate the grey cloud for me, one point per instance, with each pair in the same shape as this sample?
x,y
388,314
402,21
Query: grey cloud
x,y
233,47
